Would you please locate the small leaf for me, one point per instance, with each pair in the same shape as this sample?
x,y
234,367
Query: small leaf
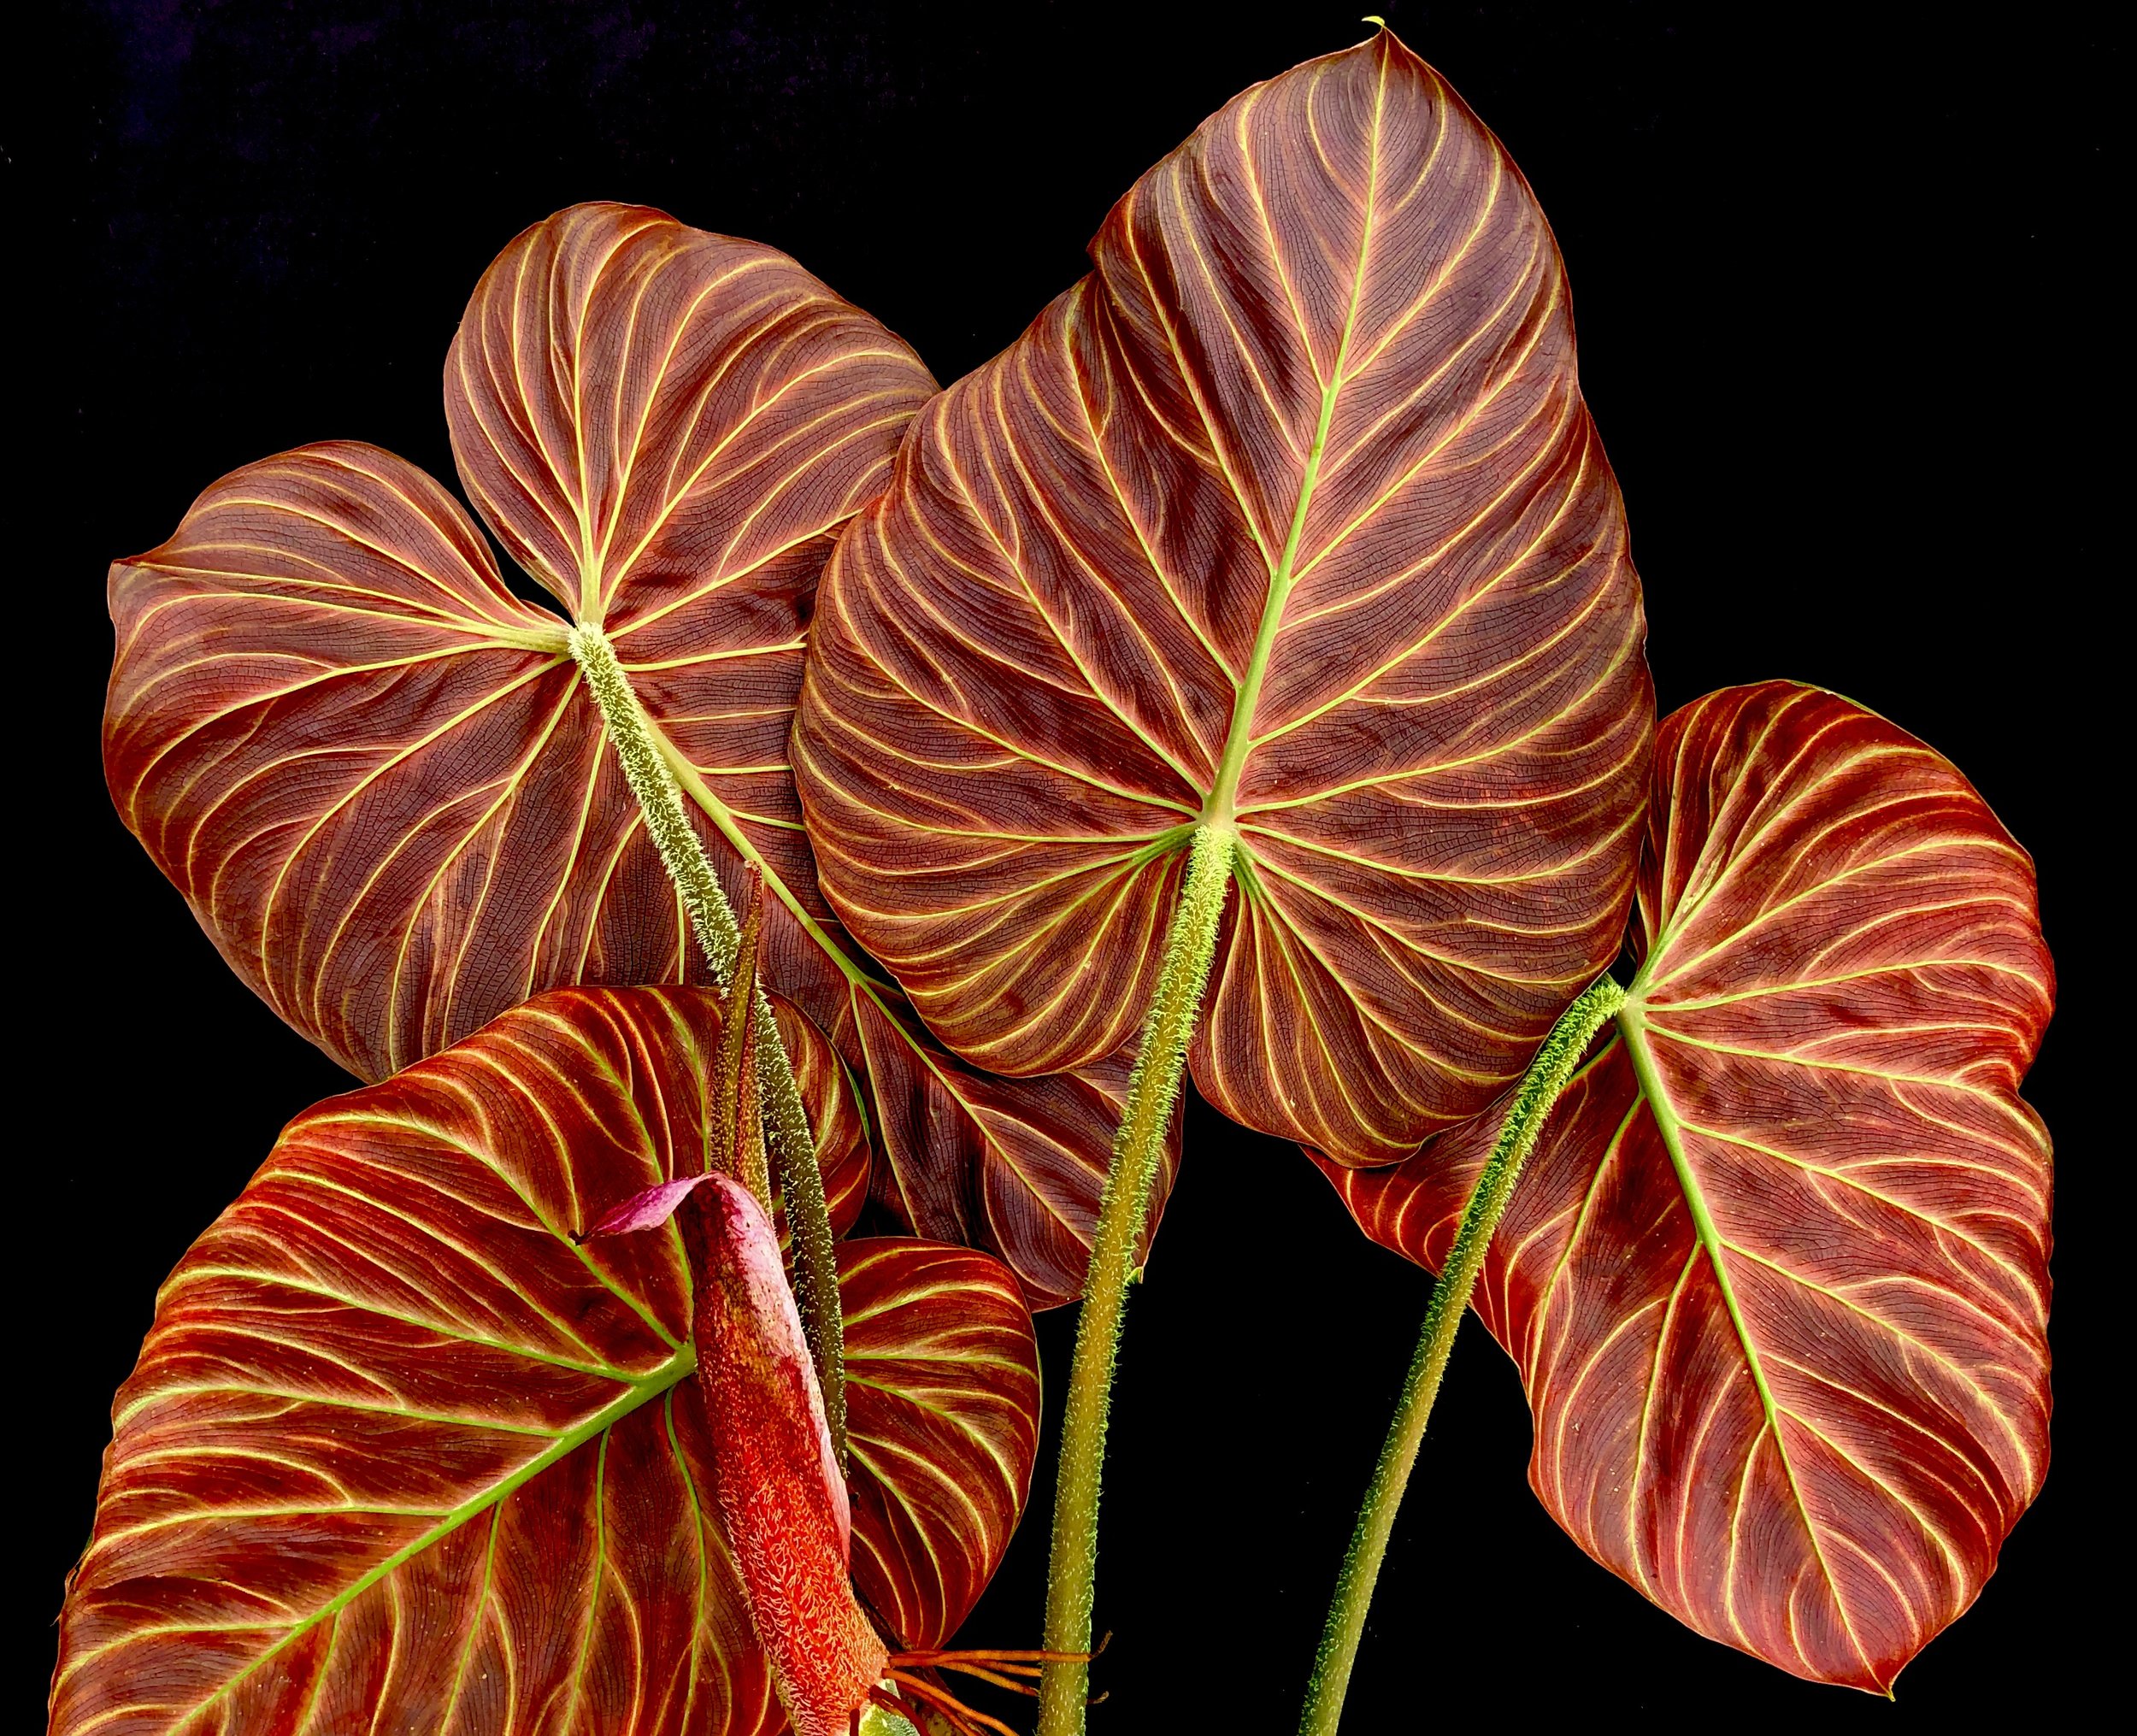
x,y
397,1451
1776,1277
942,1383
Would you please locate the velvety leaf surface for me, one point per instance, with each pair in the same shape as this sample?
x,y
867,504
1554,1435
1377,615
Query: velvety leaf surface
x,y
1776,1277
1291,513
375,773
395,1443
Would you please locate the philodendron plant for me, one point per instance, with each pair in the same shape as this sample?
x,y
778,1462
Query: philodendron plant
x,y
1241,674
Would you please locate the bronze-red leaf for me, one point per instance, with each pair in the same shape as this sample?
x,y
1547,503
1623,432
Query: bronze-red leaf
x,y
1291,516
398,1448
1776,1276
942,1420
376,775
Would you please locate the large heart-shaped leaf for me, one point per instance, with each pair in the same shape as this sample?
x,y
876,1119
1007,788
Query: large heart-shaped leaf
x,y
380,782
1776,1277
397,1450
1290,516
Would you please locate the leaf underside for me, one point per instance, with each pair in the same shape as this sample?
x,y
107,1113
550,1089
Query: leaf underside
x,y
374,772
1289,514
395,1444
1776,1277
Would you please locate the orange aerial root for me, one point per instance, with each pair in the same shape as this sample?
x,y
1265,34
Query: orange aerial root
x,y
1003,1668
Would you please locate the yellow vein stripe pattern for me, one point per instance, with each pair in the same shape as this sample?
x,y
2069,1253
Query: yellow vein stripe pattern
x,y
371,769
377,778
1289,516
1777,1275
942,1381
398,1454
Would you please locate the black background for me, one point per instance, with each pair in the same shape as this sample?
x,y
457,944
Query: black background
x,y
1846,322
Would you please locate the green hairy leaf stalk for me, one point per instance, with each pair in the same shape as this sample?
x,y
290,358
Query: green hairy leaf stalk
x,y
1153,1091
1540,1087
660,799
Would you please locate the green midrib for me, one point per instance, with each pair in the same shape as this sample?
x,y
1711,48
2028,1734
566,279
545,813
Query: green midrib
x,y
859,978
1634,1027
676,1369
692,782
1217,810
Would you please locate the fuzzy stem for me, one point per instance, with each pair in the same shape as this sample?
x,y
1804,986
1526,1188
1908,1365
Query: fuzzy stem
x,y
1547,1076
738,1115
808,1220
1124,1207
712,920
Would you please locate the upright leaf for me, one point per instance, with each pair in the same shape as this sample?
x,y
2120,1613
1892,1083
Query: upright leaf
x,y
1288,516
398,1453
1776,1277
377,776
